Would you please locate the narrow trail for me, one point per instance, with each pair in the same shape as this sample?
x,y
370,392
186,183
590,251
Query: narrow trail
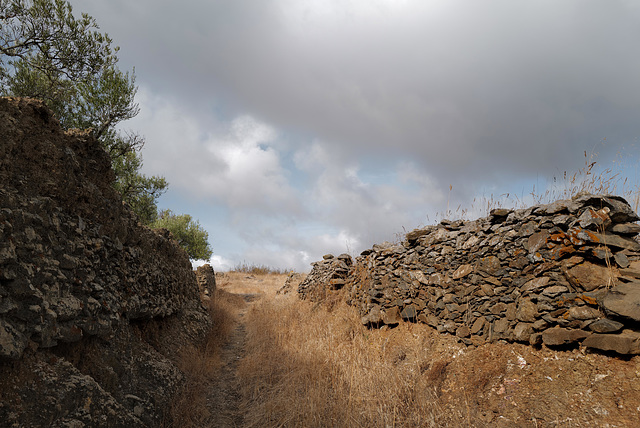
x,y
224,399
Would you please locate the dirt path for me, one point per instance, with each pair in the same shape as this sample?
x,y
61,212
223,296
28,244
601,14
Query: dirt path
x,y
224,399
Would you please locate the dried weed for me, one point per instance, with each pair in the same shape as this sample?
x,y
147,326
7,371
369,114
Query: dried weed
x,y
314,368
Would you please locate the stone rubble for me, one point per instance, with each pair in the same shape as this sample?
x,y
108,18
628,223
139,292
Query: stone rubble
x,y
292,282
559,274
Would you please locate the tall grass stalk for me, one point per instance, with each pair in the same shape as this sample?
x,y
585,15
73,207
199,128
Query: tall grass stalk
x,y
254,269
617,179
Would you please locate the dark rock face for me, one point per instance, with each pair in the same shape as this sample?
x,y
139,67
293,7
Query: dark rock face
x,y
544,274
80,276
206,279
624,301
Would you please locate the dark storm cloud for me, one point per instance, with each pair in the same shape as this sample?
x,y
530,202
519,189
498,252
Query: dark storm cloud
x,y
477,94
464,87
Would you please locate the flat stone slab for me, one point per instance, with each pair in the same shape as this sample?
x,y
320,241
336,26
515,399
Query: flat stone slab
x,y
12,342
409,313
605,325
624,301
391,316
626,343
562,336
373,317
590,276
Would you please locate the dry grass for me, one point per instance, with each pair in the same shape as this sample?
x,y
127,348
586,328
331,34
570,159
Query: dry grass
x,y
306,366
618,178
258,269
201,363
309,367
244,283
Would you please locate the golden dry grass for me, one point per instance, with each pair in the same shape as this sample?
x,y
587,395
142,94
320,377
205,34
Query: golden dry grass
x,y
306,366
201,363
309,367
247,283
258,269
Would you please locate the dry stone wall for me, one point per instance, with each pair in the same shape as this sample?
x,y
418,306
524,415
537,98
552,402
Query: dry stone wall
x,y
560,274
206,279
85,289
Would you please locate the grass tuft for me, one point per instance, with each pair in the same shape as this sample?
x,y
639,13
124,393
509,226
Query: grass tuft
x,y
619,178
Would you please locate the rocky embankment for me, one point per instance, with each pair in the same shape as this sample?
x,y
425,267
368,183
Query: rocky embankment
x,y
93,305
562,274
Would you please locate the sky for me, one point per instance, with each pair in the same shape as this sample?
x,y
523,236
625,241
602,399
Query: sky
x,y
295,128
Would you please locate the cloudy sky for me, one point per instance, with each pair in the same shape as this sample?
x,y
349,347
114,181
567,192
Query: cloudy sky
x,y
295,128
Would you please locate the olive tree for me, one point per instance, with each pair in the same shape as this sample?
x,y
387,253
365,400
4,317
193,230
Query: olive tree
x,y
46,52
188,232
49,54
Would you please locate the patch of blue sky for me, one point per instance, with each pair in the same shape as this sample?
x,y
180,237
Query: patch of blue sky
x,y
212,217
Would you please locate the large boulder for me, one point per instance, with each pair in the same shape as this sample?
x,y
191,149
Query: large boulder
x,y
627,342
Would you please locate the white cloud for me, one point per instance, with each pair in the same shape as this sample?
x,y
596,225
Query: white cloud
x,y
297,249
253,177
367,202
236,166
220,263
467,90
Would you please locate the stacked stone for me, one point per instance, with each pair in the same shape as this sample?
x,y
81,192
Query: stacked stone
x,y
292,282
62,278
329,274
206,280
558,274
74,262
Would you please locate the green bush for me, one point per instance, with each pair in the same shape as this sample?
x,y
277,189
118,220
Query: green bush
x,y
188,232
